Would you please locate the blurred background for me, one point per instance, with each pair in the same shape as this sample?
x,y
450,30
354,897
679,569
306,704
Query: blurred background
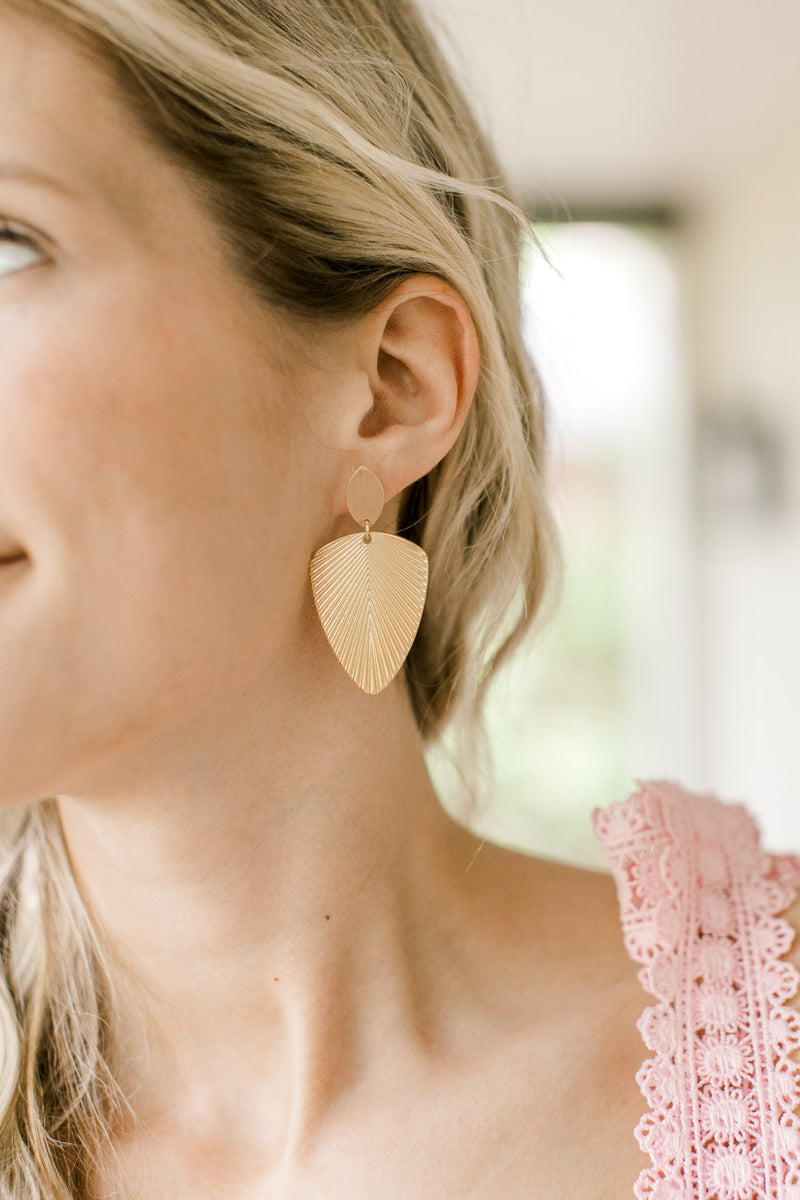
x,y
656,146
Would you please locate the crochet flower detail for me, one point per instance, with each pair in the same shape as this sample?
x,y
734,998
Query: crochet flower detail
x,y
700,905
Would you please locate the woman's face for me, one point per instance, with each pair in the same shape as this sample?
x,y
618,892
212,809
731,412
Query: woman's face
x,y
152,439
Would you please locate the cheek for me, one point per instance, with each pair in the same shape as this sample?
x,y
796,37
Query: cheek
x,y
134,473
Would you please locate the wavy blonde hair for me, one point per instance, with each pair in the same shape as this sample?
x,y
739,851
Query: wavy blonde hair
x,y
339,156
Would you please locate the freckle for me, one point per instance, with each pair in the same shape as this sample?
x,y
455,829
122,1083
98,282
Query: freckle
x,y
327,916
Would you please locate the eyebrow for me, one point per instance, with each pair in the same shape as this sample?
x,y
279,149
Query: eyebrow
x,y
21,173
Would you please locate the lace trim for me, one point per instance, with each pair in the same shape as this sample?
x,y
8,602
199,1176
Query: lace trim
x,y
700,903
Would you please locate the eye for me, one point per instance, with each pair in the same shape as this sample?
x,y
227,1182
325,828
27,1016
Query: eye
x,y
17,249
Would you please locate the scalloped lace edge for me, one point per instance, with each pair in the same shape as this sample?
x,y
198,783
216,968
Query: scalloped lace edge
x,y
700,904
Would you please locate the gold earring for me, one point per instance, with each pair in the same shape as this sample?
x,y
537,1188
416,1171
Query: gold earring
x,y
369,589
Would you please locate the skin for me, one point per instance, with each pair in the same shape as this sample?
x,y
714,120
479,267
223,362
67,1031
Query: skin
x,y
326,987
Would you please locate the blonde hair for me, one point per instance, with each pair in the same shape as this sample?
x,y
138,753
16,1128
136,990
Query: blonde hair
x,y
339,156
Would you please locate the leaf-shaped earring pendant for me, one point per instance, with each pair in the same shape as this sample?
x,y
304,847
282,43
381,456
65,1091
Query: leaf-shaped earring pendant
x,y
369,589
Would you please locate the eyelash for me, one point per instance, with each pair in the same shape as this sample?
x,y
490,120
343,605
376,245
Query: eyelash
x,y
11,233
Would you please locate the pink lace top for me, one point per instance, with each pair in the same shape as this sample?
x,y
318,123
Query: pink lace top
x,y
700,903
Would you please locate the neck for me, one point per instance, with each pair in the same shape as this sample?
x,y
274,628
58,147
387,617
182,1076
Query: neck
x,y
263,893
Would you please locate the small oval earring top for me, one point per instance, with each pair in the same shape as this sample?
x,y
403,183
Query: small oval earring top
x,y
365,496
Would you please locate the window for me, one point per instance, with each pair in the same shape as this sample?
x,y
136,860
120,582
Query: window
x,y
606,690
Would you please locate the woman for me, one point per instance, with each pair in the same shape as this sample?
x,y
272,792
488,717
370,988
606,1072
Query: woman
x,y
257,268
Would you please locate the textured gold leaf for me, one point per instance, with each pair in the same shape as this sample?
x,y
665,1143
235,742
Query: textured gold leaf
x,y
370,596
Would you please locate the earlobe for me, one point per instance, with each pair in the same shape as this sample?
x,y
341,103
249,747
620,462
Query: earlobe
x,y
424,368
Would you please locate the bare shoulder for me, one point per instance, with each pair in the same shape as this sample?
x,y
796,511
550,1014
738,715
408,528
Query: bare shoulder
x,y
792,917
571,911
563,923
558,938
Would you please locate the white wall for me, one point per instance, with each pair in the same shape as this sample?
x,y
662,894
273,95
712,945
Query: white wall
x,y
744,263
694,105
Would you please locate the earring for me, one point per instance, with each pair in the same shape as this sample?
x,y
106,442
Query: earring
x,y
369,590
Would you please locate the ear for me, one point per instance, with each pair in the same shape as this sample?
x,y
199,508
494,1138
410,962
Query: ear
x,y
419,352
